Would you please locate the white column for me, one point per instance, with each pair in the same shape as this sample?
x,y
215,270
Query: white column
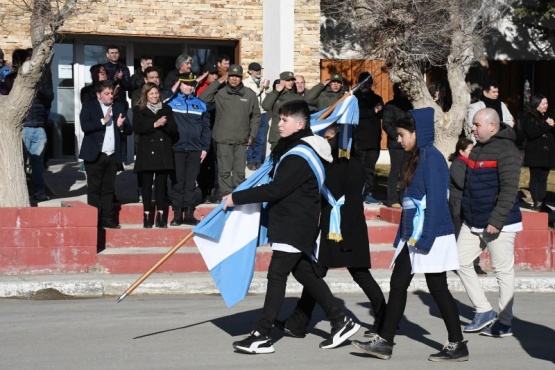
x,y
279,37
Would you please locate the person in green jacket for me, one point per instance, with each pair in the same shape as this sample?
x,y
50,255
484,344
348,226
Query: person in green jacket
x,y
285,91
237,122
326,93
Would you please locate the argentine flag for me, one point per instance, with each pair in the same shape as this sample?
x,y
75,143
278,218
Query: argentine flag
x,y
227,240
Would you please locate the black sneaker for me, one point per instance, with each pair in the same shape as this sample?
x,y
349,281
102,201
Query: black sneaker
x,y
255,343
340,333
280,324
377,346
452,352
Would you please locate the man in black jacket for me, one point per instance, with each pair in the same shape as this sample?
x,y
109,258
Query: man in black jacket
x,y
368,134
104,123
293,197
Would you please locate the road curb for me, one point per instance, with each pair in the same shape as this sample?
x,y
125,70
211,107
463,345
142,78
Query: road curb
x,y
86,285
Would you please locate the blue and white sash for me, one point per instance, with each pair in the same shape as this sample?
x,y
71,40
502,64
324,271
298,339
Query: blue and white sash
x,y
418,221
335,215
312,158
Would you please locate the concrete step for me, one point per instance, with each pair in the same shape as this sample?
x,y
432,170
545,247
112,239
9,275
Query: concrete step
x,y
138,260
132,213
133,249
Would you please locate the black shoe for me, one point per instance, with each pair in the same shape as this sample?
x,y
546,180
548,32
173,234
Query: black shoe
x,y
280,324
110,225
161,220
177,216
452,352
370,333
340,333
251,166
377,346
479,271
190,216
147,223
255,343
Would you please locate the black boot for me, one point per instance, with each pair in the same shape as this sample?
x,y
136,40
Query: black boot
x,y
536,206
147,224
453,352
162,219
177,216
190,216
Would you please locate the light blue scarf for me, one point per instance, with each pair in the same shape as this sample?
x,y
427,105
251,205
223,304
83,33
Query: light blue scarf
x,y
418,220
312,158
335,215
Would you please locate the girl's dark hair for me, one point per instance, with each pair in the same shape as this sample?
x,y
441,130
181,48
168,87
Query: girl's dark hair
x,y
95,72
535,101
144,92
462,144
407,122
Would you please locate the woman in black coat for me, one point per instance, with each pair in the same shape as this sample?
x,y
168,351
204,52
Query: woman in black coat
x,y
153,121
350,249
539,150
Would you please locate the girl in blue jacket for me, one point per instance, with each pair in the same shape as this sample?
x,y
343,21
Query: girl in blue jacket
x,y
425,241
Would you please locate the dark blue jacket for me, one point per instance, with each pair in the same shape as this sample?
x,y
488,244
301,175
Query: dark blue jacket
x,y
431,179
490,195
94,130
193,123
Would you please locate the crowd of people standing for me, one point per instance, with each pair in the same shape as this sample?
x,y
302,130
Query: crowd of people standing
x,y
195,135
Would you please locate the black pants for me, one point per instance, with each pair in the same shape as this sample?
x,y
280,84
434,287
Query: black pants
x,y
368,158
437,284
187,166
538,183
397,159
206,179
101,177
300,318
160,187
281,265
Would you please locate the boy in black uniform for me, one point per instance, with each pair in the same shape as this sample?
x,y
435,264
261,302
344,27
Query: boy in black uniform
x,y
293,197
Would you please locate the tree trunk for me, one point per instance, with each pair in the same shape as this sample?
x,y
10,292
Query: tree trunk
x,y
13,185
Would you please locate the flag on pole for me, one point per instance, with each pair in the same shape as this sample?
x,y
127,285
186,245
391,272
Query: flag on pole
x,y
227,240
346,114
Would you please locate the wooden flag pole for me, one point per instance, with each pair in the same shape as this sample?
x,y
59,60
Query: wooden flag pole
x,y
153,268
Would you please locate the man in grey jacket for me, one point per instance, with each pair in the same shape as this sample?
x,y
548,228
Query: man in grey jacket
x,y
236,126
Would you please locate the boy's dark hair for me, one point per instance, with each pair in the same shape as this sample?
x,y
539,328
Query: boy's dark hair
x,y
151,69
223,57
363,76
146,57
488,84
111,47
298,109
18,57
102,85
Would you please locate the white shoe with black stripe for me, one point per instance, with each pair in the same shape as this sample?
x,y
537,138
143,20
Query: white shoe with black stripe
x,y
255,343
340,333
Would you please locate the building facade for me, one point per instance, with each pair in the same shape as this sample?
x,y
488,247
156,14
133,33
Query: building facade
x,y
279,34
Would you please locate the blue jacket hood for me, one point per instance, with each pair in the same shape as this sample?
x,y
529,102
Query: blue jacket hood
x,y
424,119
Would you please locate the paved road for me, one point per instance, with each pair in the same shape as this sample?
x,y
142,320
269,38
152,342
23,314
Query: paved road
x,y
196,332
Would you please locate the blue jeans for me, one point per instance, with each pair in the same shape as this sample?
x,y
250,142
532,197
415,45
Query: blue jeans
x,y
34,141
255,153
